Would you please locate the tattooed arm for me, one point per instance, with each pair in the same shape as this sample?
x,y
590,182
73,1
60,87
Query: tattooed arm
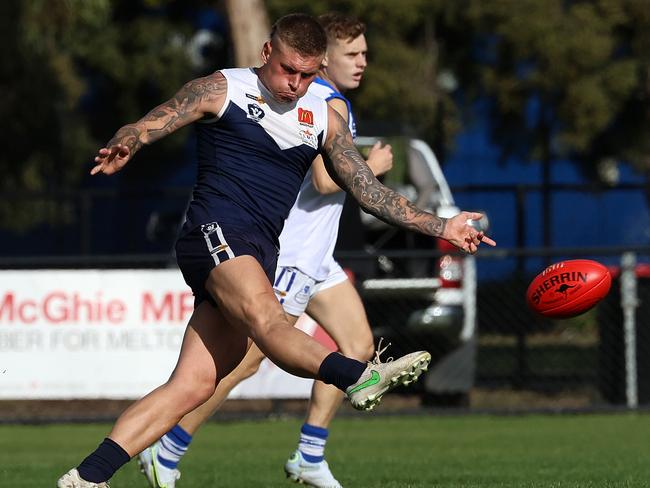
x,y
380,157
196,99
348,168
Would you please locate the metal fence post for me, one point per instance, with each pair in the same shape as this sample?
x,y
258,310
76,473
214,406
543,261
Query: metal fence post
x,y
469,298
629,304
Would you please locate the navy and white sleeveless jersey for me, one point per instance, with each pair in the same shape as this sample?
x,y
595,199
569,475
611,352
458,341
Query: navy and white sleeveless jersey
x,y
253,156
310,232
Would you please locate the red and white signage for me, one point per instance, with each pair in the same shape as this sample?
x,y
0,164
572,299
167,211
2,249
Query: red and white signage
x,y
105,334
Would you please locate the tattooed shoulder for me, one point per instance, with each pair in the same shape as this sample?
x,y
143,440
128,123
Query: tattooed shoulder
x,y
203,94
211,85
338,134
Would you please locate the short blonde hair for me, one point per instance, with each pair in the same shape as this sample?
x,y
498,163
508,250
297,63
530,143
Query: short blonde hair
x,y
341,27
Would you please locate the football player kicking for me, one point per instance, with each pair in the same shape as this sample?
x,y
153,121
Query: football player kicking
x,y
308,278
258,133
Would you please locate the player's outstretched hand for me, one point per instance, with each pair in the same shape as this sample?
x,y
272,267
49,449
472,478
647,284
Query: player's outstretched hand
x,y
111,159
464,236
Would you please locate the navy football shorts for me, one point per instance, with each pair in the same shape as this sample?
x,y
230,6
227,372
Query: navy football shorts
x,y
206,246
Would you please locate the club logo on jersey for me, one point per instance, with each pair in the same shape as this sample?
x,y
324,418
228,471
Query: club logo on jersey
x,y
208,229
305,117
255,112
258,98
309,137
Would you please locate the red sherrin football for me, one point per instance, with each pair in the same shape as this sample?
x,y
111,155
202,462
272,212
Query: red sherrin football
x,y
568,288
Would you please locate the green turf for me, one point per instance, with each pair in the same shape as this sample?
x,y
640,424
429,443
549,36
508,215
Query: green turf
x,y
476,451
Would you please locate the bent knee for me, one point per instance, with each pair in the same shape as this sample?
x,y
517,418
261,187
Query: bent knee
x,y
262,322
193,392
201,394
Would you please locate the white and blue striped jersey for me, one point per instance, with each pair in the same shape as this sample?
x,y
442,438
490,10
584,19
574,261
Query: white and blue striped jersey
x,y
310,232
253,156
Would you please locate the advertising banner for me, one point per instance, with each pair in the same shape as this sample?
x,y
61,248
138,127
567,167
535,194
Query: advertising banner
x,y
105,334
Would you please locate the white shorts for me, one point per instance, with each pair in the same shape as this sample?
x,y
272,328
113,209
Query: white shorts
x,y
294,288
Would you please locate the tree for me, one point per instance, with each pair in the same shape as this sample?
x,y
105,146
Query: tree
x,y
565,77
73,71
249,27
569,56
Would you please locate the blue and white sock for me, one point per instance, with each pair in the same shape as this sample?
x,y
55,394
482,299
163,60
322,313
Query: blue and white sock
x,y
312,443
172,446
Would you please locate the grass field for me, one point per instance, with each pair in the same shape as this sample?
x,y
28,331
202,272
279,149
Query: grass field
x,y
419,451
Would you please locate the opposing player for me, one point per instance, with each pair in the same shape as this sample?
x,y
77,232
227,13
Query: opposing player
x,y
308,278
259,132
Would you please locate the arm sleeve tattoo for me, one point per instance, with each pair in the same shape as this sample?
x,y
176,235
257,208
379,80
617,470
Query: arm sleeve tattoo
x,y
191,102
348,168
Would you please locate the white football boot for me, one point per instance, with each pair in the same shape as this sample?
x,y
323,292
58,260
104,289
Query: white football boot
x,y
379,378
310,474
72,480
157,475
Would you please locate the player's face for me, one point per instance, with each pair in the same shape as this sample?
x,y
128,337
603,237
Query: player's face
x,y
346,61
286,73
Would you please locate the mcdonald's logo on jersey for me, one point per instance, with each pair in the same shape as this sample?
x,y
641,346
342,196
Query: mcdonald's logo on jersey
x,y
305,117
